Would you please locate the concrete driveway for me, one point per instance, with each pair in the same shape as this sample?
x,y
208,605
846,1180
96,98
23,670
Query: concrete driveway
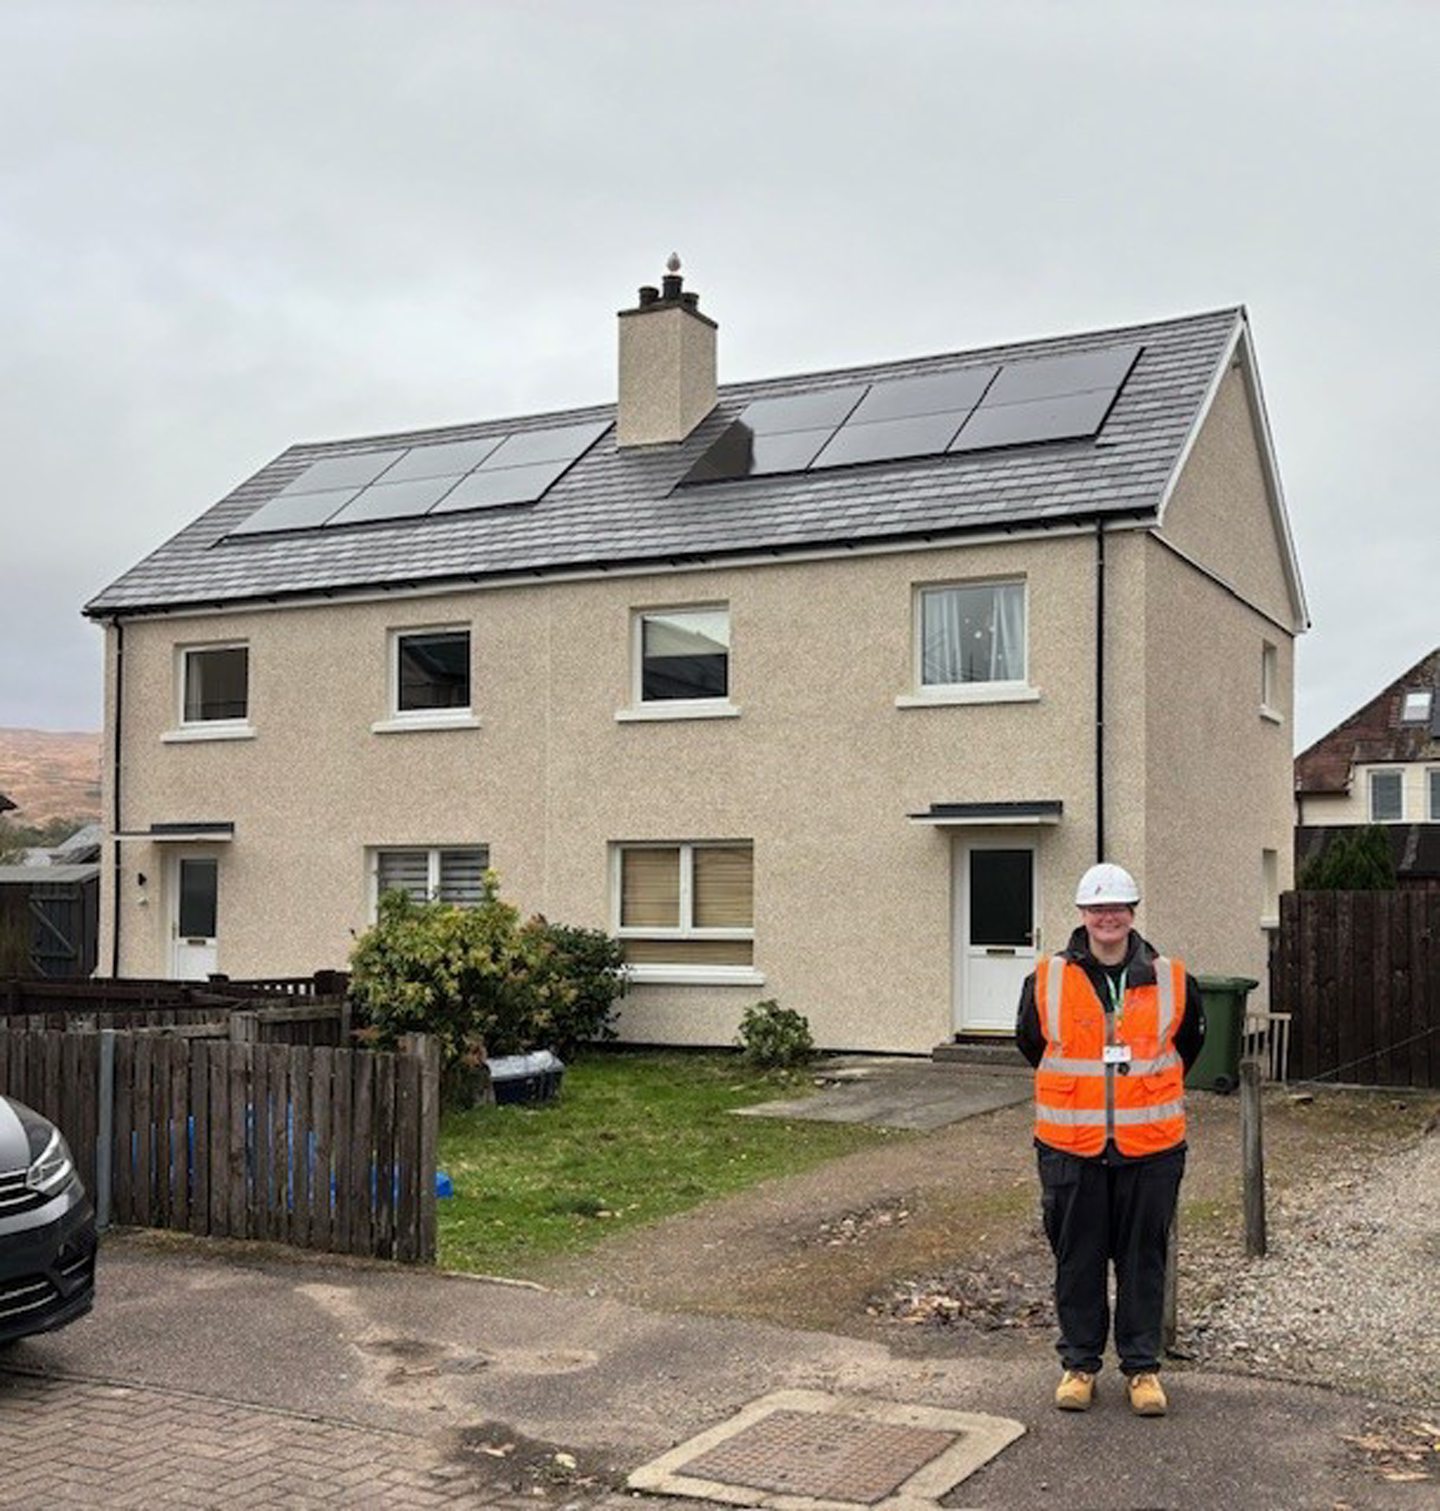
x,y
213,1376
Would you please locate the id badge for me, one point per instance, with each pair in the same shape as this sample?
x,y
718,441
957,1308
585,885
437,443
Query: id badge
x,y
1117,1054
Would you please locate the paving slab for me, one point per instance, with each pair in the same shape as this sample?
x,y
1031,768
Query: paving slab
x,y
891,1093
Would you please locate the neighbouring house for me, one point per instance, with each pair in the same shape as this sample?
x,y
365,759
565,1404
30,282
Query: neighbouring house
x,y
823,688
1379,766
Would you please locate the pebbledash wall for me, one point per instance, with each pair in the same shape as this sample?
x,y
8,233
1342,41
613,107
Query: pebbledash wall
x,y
853,901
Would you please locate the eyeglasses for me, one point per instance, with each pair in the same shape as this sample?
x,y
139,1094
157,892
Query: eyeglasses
x,y
1107,909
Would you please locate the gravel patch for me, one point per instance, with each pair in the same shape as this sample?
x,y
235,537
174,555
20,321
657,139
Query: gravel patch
x,y
1349,1293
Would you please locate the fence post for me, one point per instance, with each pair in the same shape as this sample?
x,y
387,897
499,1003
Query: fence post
x,y
244,1028
1253,1147
105,1128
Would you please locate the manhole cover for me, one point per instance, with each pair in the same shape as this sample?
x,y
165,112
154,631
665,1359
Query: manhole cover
x,y
806,1448
825,1457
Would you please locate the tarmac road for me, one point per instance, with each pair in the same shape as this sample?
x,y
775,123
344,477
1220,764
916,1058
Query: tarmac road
x,y
225,1375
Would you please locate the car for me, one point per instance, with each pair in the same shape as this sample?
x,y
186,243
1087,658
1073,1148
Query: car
x,y
47,1227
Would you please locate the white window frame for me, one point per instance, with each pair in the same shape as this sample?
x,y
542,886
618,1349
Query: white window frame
x,y
946,694
681,975
1432,793
192,730
1398,774
432,863
655,710
1270,682
398,721
1425,699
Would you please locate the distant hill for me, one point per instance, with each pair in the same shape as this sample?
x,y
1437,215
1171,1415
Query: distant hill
x,y
48,775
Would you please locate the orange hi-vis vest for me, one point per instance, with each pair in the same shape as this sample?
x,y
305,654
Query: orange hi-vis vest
x,y
1080,1100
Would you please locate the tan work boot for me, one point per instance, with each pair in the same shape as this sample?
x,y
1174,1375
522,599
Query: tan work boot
x,y
1075,1391
1147,1398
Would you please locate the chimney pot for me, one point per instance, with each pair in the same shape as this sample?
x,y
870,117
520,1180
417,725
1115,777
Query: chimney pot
x,y
671,283
649,294
690,301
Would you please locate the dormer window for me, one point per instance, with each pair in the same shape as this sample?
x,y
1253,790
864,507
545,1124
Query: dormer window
x,y
1416,707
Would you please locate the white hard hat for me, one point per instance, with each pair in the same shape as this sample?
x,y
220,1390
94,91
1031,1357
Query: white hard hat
x,y
1106,883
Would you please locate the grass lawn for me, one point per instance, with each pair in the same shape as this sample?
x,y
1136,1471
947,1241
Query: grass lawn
x,y
633,1137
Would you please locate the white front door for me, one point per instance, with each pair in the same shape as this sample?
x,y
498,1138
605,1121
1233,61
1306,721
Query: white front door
x,y
196,896
996,939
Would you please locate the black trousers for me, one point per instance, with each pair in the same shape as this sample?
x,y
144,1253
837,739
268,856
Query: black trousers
x,y
1097,1215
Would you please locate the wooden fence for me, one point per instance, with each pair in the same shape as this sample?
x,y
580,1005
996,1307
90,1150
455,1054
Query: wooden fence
x,y
314,1146
1360,974
272,1011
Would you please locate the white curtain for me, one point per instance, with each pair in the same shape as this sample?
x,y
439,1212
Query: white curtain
x,y
974,634
1007,637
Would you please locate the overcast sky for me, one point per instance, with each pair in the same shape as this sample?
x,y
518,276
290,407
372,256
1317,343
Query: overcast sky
x,y
227,227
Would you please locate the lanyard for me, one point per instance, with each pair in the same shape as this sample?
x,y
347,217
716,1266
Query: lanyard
x,y
1116,993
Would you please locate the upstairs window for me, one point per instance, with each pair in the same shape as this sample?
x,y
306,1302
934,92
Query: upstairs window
x,y
215,683
1432,783
431,673
684,655
1416,707
972,634
432,874
1387,797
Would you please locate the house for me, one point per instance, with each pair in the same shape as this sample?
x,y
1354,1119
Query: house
x,y
823,688
1379,766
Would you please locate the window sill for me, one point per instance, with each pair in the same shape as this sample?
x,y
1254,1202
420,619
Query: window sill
x,y
403,726
1270,924
189,734
981,693
694,975
649,713
1271,715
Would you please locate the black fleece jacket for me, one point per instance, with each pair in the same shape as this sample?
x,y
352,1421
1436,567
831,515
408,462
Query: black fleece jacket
x,y
1139,968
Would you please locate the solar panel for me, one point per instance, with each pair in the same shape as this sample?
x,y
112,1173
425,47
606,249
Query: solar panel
x,y
301,511
560,443
943,393
487,489
330,472
448,459
1053,377
1064,419
804,411
388,500
740,452
891,440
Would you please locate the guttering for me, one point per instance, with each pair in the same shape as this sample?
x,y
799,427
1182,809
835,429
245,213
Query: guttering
x,y
115,799
1138,517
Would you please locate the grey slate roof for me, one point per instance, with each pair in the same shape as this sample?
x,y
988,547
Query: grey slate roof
x,y
618,507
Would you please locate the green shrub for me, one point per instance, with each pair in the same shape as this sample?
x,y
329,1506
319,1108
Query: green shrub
x,y
773,1037
585,970
1358,860
462,974
481,982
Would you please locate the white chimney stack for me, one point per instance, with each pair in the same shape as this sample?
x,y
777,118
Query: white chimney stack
x,y
667,364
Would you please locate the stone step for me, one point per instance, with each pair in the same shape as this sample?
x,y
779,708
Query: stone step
x,y
999,1054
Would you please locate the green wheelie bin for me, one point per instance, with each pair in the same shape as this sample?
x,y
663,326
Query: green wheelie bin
x,y
1218,1066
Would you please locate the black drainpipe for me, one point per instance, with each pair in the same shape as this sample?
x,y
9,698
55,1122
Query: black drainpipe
x,y
115,801
1099,690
